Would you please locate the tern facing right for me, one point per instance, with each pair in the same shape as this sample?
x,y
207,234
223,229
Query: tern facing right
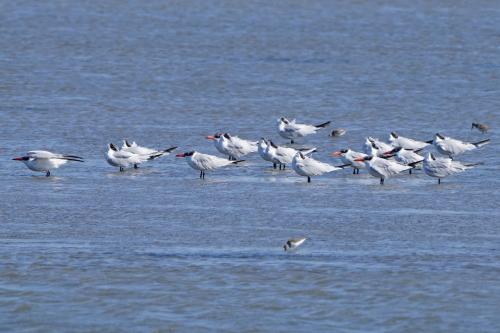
x,y
382,168
44,161
441,167
308,166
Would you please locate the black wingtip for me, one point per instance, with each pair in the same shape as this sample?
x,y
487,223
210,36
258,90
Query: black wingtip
x,y
238,161
479,143
170,149
323,125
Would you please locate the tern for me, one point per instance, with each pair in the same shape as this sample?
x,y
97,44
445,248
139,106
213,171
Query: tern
x,y
380,146
293,243
481,127
264,152
407,143
134,148
44,161
284,155
406,156
123,159
308,166
204,162
382,168
291,130
440,167
233,146
349,157
452,147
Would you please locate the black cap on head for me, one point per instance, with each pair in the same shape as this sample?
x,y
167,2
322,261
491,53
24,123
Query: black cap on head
x,y
343,151
127,143
112,147
440,136
394,135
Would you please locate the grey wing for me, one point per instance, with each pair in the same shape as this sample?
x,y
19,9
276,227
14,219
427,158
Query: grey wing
x,y
42,154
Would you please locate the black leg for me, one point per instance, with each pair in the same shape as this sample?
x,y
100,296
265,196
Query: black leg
x,y
274,165
136,166
292,142
121,169
439,180
308,179
410,171
280,166
354,171
357,171
47,174
381,181
284,165
203,174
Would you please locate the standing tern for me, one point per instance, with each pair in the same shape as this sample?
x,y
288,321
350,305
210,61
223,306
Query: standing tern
x,y
406,156
123,159
134,148
264,152
407,143
380,146
204,162
308,166
233,146
284,155
440,167
291,130
44,161
452,147
382,168
349,156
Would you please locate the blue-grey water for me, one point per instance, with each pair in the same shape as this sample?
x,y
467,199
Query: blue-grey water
x,y
158,250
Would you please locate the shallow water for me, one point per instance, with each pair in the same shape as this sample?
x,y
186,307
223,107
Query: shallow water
x,y
156,249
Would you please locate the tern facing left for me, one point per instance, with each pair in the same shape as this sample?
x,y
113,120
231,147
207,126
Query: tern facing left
x,y
440,167
382,168
308,166
290,130
407,143
293,243
205,162
44,161
452,147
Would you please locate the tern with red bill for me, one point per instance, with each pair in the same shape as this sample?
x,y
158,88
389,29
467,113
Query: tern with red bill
x,y
307,166
382,168
441,167
349,156
204,162
407,143
290,130
284,155
452,147
134,148
44,161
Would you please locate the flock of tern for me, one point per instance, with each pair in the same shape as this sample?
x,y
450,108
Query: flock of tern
x,y
381,159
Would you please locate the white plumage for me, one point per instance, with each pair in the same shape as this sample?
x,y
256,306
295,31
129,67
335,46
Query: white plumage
x,y
441,167
44,161
205,162
291,130
349,156
452,147
308,166
406,143
382,168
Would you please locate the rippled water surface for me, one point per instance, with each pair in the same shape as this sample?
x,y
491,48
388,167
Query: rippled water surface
x,y
158,250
